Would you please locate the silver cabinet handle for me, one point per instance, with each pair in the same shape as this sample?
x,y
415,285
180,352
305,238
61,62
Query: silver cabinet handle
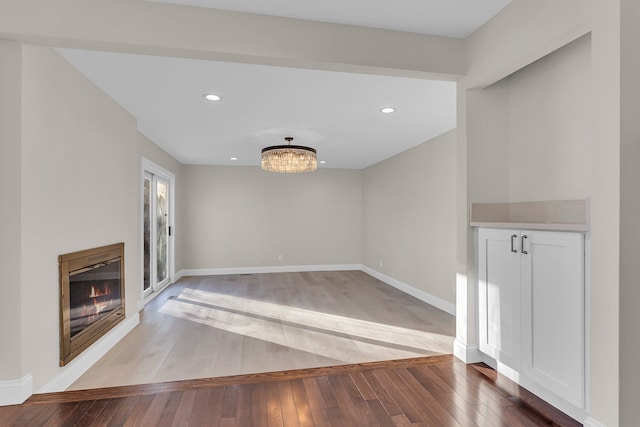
x,y
523,243
513,249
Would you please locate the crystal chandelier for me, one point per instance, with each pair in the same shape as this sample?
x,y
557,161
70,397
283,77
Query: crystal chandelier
x,y
289,158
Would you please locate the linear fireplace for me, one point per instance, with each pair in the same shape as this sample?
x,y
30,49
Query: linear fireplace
x,y
91,297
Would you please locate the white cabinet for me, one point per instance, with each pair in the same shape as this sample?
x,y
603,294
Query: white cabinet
x,y
531,307
499,295
553,313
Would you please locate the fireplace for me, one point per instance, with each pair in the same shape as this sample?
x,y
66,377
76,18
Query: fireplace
x,y
91,297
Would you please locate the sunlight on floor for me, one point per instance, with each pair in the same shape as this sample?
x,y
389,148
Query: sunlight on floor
x,y
329,335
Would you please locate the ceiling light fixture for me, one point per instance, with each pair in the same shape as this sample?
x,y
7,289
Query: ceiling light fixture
x,y
322,162
289,158
388,110
211,97
233,158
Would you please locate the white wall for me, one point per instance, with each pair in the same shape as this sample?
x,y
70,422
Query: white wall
x,y
604,320
72,111
528,133
139,26
511,41
549,106
80,175
146,148
77,159
488,133
526,31
629,214
245,217
10,185
521,33
408,216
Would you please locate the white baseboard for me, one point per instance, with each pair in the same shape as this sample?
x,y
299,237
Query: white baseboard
x,y
503,369
266,269
408,289
590,422
143,301
178,276
467,354
87,358
570,409
16,391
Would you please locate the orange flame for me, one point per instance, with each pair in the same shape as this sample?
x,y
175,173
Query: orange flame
x,y
95,293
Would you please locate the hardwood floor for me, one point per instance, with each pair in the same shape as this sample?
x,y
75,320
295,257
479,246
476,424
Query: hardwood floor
x,y
299,349
430,391
202,327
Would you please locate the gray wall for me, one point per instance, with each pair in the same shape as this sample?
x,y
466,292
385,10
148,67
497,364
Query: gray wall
x,y
509,42
408,216
549,107
10,210
70,160
528,133
80,175
245,217
75,165
629,214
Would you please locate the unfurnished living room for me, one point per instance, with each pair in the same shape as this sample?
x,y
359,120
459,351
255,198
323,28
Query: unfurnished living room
x,y
357,213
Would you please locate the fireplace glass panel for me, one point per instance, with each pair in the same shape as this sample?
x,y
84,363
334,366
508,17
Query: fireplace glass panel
x,y
94,293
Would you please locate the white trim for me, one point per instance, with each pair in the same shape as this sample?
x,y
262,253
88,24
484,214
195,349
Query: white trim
x,y
467,354
587,320
267,269
155,169
573,411
87,358
151,296
15,392
501,368
408,289
590,422
559,403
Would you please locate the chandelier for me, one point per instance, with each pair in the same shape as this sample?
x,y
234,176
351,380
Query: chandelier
x,y
289,158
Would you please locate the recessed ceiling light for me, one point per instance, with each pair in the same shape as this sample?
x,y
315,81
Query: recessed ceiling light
x,y
211,97
233,158
322,162
388,110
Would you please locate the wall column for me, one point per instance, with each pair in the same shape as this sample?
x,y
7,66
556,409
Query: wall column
x,y
12,383
629,212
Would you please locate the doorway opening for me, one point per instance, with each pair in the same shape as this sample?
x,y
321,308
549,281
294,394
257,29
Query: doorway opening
x,y
157,228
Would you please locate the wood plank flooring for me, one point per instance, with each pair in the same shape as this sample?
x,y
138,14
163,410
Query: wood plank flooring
x,y
429,391
212,326
299,349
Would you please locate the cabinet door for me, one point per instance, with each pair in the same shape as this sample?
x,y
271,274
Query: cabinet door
x,y
553,312
499,295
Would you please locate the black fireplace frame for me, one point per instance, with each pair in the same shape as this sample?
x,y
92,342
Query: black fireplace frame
x,y
71,347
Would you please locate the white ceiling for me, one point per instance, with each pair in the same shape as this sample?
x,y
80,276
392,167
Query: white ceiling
x,y
336,113
451,18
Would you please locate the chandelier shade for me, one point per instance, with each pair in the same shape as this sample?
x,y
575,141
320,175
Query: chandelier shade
x,y
289,158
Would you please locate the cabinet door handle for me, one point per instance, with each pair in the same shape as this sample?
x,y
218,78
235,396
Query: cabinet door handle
x,y
513,248
523,243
